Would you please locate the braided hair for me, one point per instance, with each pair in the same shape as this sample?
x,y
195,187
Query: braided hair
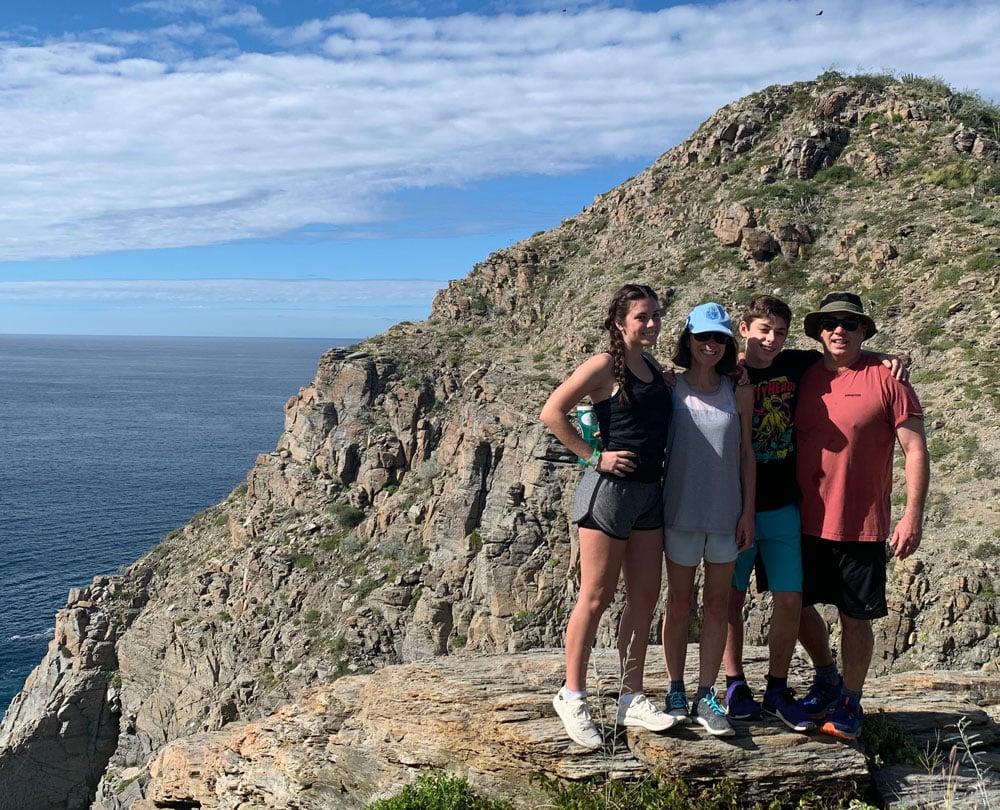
x,y
617,312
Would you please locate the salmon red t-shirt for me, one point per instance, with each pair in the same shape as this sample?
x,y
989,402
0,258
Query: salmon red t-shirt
x,y
846,435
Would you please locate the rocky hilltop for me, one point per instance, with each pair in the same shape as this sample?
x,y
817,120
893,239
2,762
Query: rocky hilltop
x,y
415,509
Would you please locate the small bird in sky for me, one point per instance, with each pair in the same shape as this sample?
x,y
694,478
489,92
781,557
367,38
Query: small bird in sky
x,y
819,12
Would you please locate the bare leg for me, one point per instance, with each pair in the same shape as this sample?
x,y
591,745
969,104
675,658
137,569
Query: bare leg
x,y
815,637
680,590
785,615
600,564
857,642
715,605
733,656
642,568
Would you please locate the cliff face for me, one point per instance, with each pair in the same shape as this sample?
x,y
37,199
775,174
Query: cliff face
x,y
414,507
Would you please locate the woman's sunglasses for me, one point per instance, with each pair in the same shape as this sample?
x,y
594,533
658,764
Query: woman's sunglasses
x,y
703,337
829,323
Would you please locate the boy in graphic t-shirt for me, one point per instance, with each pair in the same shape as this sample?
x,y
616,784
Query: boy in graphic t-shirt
x,y
777,552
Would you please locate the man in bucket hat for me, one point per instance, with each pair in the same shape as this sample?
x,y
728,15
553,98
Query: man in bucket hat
x,y
839,303
851,412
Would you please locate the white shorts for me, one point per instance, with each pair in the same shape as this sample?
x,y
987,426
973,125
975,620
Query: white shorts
x,y
690,548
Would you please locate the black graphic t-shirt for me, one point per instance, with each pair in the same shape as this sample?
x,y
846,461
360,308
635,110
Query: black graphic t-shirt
x,y
774,393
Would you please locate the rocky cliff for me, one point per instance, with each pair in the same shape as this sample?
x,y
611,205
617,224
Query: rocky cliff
x,y
415,509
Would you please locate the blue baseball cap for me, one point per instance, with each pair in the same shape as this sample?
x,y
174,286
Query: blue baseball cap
x,y
709,318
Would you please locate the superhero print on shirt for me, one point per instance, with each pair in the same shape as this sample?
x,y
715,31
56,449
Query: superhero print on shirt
x,y
772,419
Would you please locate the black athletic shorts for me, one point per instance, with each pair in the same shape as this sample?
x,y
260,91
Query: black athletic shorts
x,y
849,575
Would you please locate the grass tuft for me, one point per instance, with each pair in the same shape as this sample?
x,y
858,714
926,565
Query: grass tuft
x,y
438,791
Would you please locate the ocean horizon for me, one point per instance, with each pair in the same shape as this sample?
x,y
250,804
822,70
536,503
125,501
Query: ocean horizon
x,y
109,443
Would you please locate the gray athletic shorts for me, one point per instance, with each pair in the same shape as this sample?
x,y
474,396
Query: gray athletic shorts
x,y
616,506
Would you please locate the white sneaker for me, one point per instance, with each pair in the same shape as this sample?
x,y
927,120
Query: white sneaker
x,y
576,718
641,713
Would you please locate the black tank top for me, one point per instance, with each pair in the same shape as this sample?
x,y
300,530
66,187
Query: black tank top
x,y
640,425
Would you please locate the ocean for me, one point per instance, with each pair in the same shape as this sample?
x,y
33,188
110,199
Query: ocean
x,y
109,443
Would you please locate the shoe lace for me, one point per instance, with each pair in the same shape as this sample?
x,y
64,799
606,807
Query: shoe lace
x,y
712,702
580,711
676,700
642,705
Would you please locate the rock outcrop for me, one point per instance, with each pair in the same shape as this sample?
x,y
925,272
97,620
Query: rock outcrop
x,y
364,737
415,510
62,728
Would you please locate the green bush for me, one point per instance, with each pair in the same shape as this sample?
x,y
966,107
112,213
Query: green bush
x,y
304,561
660,793
953,176
872,82
975,112
987,550
521,620
835,174
887,743
347,514
929,85
989,183
438,791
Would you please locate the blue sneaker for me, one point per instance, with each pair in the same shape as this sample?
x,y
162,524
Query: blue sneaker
x,y
740,704
781,703
822,698
677,706
846,720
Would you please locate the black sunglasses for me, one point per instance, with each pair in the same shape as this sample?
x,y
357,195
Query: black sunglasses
x,y
828,323
703,337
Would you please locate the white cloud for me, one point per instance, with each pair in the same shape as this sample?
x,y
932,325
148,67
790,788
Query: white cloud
x,y
176,136
211,292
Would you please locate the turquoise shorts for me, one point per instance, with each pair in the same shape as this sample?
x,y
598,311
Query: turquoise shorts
x,y
778,542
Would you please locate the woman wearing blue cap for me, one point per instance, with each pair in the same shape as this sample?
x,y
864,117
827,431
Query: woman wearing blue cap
x,y
708,504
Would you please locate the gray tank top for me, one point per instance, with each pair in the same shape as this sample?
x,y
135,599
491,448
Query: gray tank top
x,y
702,491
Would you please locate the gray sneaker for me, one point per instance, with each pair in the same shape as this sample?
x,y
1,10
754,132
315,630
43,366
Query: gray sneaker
x,y
677,706
712,716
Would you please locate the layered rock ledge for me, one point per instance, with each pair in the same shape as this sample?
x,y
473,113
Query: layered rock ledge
x,y
490,720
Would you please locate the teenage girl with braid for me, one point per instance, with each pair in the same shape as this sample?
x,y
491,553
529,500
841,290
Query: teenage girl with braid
x,y
618,506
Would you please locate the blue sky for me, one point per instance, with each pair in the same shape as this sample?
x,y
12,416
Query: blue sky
x,y
286,169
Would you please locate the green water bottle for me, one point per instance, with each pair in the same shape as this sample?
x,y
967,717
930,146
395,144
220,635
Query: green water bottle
x,y
586,421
